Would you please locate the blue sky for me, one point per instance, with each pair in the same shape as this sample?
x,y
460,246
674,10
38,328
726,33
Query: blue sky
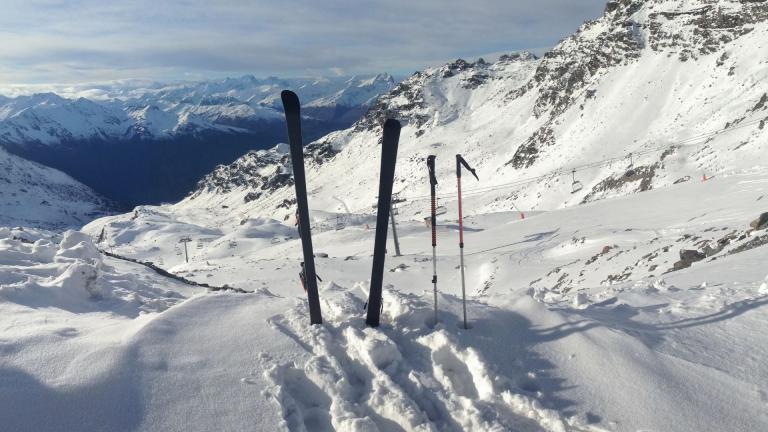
x,y
77,41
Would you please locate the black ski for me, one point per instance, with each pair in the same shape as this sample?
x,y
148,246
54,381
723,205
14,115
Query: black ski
x,y
386,178
293,119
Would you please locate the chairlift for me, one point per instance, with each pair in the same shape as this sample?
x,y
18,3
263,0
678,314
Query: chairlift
x,y
631,171
575,184
340,224
440,209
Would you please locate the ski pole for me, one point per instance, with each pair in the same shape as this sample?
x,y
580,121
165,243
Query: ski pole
x,y
459,162
433,223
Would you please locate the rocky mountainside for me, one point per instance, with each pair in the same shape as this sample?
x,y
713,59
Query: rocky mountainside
x,y
650,94
33,195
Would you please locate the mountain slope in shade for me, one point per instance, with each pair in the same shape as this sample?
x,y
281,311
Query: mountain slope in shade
x,y
34,195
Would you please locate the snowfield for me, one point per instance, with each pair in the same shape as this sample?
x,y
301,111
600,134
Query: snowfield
x,y
615,259
96,343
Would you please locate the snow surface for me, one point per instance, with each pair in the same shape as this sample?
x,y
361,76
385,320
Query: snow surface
x,y
676,351
584,313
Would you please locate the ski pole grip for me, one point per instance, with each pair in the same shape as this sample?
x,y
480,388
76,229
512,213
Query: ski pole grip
x,y
460,161
431,166
433,221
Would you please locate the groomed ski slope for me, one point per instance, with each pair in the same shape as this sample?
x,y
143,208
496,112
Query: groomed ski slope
x,y
682,351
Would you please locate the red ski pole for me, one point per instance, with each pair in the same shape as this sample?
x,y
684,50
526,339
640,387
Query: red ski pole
x,y
459,162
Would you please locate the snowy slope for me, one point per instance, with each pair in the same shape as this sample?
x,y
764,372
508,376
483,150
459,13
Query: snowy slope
x,y
159,111
653,351
650,94
37,196
599,310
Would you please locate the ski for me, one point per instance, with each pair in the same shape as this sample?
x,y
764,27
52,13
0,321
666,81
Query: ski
x,y
386,179
459,162
433,224
293,120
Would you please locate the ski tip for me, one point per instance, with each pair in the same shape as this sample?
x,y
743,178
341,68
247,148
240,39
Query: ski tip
x,y
290,100
392,125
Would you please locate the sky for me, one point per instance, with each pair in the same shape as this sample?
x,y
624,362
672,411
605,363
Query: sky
x,y
48,42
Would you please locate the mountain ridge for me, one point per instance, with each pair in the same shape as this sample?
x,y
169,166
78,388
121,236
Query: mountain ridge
x,y
148,145
643,97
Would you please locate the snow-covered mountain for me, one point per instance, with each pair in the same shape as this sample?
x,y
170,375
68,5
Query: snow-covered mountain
x,y
633,311
231,104
651,93
151,144
34,195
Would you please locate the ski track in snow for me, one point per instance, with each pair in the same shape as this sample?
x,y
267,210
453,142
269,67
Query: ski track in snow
x,y
407,375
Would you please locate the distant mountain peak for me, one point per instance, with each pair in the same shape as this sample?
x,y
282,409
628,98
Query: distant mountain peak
x,y
218,105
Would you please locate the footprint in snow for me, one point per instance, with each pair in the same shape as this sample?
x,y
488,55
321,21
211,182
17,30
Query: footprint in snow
x,y
305,406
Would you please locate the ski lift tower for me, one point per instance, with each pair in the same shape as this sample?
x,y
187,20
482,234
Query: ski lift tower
x,y
185,240
395,199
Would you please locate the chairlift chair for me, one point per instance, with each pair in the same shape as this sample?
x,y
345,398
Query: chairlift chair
x,y
340,222
575,184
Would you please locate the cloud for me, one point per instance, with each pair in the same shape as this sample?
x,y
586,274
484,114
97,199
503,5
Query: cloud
x,y
87,40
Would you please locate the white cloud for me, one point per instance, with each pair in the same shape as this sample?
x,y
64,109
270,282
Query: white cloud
x,y
88,40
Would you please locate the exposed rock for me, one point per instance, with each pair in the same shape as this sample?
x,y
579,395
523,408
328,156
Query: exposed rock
x,y
691,255
261,172
751,244
527,153
687,257
642,175
760,223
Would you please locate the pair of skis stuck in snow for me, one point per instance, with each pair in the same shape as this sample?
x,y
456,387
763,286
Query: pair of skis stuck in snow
x,y
433,222
386,179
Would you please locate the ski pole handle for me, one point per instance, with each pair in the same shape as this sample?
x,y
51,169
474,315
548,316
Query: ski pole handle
x,y
432,184
459,162
431,166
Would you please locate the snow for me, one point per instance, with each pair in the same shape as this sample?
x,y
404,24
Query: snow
x,y
635,304
94,342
